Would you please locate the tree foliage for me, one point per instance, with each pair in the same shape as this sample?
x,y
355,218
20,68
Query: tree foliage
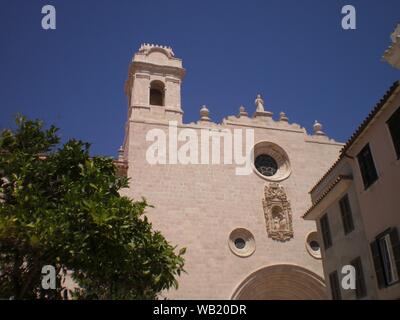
x,y
61,207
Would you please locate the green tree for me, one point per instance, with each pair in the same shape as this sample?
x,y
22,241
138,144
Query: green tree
x,y
61,207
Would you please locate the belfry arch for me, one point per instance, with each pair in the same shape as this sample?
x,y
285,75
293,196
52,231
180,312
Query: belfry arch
x,y
281,282
157,93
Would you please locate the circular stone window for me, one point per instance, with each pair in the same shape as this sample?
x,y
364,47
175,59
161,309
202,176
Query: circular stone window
x,y
312,245
241,242
266,165
270,161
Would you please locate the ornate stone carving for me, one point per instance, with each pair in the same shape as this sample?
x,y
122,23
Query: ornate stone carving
x,y
277,211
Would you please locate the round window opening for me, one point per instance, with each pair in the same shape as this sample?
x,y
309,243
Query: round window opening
x,y
241,242
312,245
266,165
270,162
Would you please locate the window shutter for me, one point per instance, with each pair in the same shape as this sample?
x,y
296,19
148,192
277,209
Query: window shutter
x,y
380,278
394,239
363,169
361,289
349,214
367,166
335,287
347,217
344,218
326,232
394,127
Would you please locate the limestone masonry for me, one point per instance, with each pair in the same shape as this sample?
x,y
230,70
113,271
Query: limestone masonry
x,y
244,234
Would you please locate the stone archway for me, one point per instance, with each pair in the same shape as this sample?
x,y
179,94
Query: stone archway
x,y
281,282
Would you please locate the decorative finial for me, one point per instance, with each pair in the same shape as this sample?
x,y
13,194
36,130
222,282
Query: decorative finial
x,y
242,111
204,113
395,36
283,117
318,129
121,153
259,103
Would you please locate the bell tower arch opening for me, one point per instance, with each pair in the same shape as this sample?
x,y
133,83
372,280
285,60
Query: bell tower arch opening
x,y
157,93
281,282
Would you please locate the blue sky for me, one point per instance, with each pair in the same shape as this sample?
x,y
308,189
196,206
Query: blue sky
x,y
293,52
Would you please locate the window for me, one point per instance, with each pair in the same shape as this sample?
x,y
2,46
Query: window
x,y
394,128
367,166
386,255
266,165
270,161
335,287
157,93
326,232
314,245
361,289
347,217
240,243
389,265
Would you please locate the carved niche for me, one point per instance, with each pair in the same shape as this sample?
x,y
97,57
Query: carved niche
x,y
277,211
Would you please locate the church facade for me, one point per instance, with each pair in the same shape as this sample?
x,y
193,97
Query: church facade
x,y
243,229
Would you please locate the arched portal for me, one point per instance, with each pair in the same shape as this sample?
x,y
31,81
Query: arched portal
x,y
281,282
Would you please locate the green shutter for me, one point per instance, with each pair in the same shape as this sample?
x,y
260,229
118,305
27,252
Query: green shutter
x,y
343,214
326,232
380,277
394,239
394,127
361,289
335,286
349,214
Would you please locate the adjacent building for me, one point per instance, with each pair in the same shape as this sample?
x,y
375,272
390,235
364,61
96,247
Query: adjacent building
x,y
356,205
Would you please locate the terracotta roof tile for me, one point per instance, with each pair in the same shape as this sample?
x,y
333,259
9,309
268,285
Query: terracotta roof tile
x,y
332,185
360,129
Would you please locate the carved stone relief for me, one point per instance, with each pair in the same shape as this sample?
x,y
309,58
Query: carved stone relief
x,y
277,211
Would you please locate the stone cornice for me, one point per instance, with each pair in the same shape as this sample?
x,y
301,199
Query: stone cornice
x,y
145,67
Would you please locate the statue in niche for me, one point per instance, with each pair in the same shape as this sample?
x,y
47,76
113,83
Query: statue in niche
x,y
277,211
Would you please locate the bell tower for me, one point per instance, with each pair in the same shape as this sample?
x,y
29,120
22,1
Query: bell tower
x,y
153,87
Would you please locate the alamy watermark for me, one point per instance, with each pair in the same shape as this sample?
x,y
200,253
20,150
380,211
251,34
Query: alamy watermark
x,y
348,281
348,277
349,20
48,277
49,18
201,146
